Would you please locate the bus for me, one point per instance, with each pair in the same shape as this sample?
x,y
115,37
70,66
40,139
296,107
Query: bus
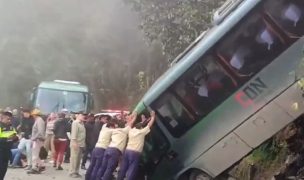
x,y
54,96
236,87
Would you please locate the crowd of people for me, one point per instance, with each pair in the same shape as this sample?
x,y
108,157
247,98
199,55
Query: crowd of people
x,y
28,139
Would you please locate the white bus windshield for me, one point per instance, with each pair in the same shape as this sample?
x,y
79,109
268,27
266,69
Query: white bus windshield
x,y
49,100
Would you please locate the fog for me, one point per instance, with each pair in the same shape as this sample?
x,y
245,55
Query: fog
x,y
94,42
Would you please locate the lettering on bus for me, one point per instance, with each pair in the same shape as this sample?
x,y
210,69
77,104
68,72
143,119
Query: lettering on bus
x,y
250,92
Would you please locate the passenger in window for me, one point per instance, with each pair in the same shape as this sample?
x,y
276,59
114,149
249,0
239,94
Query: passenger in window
x,y
211,85
293,14
294,18
289,15
220,86
238,59
200,82
199,99
257,50
265,37
134,149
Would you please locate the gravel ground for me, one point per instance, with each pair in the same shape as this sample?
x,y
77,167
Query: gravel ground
x,y
49,174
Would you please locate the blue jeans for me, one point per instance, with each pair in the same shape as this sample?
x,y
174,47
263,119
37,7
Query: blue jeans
x,y
109,163
25,145
129,165
96,162
16,157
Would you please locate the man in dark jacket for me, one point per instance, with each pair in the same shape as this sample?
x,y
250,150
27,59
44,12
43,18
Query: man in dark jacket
x,y
7,137
25,129
15,119
90,139
70,120
61,128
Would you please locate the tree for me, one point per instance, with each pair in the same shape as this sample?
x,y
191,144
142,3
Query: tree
x,y
175,23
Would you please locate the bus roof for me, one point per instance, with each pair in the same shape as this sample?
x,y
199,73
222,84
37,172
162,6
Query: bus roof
x,y
63,86
216,33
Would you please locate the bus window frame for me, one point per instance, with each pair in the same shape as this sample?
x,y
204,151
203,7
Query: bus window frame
x,y
172,91
172,131
288,34
274,21
224,69
164,138
243,78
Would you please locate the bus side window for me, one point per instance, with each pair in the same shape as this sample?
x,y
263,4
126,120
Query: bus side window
x,y
288,14
250,46
204,86
155,147
173,114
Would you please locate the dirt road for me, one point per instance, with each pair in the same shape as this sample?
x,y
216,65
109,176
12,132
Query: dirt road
x,y
49,174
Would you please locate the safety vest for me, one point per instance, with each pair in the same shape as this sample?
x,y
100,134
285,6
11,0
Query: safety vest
x,y
7,132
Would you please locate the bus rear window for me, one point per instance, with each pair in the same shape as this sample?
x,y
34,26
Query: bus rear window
x,y
251,45
289,14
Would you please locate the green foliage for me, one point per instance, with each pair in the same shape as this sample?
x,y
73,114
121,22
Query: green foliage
x,y
263,162
176,23
265,153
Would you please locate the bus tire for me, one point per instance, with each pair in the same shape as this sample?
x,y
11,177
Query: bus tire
x,y
199,175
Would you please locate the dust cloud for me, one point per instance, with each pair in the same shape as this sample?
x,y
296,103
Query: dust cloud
x,y
87,41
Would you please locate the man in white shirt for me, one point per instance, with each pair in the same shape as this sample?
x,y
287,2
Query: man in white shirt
x,y
134,149
78,136
102,144
116,147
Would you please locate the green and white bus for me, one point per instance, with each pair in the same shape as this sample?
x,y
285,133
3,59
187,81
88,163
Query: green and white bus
x,y
53,96
234,88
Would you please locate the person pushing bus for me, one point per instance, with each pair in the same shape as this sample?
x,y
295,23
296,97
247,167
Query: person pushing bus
x,y
116,147
102,144
132,154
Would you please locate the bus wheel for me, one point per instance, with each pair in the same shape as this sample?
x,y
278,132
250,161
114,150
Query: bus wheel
x,y
199,175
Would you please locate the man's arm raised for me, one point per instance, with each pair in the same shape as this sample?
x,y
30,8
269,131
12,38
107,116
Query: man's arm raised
x,y
152,120
131,119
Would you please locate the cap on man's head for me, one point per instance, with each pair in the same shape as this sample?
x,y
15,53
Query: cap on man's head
x,y
7,113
